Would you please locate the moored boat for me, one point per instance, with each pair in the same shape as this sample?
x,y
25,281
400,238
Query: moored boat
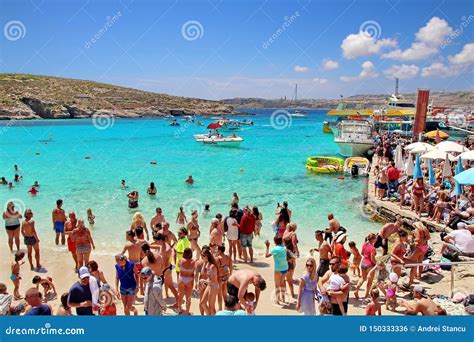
x,y
231,141
326,127
322,164
354,137
356,166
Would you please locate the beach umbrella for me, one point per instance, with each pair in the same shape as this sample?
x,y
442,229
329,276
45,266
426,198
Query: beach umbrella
x,y
438,155
447,172
422,149
417,171
437,134
451,146
214,125
409,166
465,177
469,155
459,169
418,145
431,174
399,157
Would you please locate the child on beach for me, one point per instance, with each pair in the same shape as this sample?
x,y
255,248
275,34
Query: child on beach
x,y
374,306
90,217
391,293
381,275
107,301
250,300
356,258
325,308
15,275
49,290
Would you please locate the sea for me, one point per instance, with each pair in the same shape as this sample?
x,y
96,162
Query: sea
x,y
83,161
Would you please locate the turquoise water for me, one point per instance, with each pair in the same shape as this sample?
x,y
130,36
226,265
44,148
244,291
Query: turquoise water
x,y
273,163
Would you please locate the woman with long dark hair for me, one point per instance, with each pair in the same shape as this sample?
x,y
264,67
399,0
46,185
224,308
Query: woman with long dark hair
x,y
208,299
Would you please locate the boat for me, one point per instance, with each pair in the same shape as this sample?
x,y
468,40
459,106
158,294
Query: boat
x,y
354,137
323,164
229,125
298,114
326,127
188,118
174,123
219,140
246,122
357,166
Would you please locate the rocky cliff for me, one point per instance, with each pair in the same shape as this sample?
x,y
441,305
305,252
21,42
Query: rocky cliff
x,y
44,97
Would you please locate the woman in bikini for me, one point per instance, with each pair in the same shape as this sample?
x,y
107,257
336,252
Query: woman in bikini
x,y
368,262
290,241
422,236
258,222
397,257
84,243
138,220
181,219
193,233
418,195
224,271
186,280
200,279
208,300
280,223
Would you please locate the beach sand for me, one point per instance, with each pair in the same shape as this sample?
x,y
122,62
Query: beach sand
x,y
59,266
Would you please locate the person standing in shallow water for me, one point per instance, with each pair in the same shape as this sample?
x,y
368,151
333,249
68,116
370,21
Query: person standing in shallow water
x,y
59,219
69,227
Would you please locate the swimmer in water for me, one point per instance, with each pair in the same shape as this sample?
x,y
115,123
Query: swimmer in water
x,y
10,185
33,191
36,184
4,181
190,180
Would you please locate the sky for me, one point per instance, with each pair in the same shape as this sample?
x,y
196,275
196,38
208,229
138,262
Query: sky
x,y
217,49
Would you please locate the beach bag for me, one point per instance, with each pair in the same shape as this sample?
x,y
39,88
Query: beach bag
x,y
5,302
445,267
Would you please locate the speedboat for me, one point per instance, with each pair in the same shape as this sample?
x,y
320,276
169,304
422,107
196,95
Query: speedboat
x,y
298,114
356,166
354,137
229,125
246,122
220,140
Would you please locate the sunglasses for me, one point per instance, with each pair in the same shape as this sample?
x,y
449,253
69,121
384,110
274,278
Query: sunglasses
x,y
309,265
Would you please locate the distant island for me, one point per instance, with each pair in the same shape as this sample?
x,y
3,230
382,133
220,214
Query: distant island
x,y
459,99
25,96
45,97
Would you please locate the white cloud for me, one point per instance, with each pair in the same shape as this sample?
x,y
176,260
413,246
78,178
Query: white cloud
x,y
438,69
466,56
299,68
402,71
427,41
320,80
363,44
329,64
368,71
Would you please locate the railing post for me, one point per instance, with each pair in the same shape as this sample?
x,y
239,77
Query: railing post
x,y
452,281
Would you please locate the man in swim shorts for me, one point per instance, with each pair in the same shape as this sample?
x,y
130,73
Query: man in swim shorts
x,y
31,238
59,218
239,282
324,250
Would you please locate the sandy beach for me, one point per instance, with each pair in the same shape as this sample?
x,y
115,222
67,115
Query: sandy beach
x,y
59,266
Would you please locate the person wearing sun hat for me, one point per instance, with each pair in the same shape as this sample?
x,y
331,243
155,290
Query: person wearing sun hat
x,y
339,250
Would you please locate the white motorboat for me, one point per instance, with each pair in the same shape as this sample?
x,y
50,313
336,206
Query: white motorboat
x,y
354,137
231,141
229,125
298,114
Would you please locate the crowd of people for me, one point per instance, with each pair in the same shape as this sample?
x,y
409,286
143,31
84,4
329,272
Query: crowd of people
x,y
164,267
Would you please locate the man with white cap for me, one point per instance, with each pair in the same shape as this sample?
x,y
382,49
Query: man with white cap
x,y
153,303
423,304
83,295
460,241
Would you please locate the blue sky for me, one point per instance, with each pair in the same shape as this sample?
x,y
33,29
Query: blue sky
x,y
221,48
